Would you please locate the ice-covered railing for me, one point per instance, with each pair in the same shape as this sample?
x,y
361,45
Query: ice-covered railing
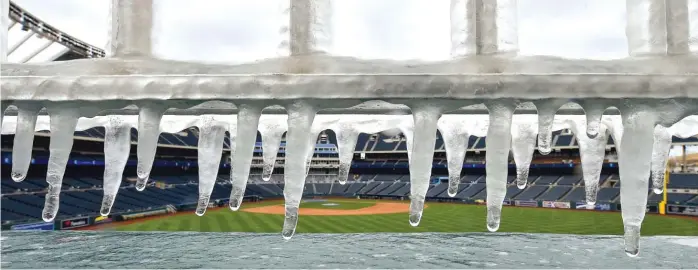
x,y
655,86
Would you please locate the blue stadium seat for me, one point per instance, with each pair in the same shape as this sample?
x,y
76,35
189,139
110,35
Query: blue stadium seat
x,y
531,193
437,190
564,140
547,179
569,180
555,193
689,181
394,187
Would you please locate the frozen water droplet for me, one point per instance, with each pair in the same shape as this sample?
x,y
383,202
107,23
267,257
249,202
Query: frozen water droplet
x,y
660,156
290,222
592,191
591,203
266,177
592,129
246,134
632,240
236,195
494,215
140,184
416,210
18,177
50,207
343,173
521,178
657,190
346,144
453,186
107,202
202,204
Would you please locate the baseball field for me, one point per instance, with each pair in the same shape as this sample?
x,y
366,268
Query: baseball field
x,y
367,216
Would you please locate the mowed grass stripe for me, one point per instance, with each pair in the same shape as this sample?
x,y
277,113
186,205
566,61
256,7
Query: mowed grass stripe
x,y
438,217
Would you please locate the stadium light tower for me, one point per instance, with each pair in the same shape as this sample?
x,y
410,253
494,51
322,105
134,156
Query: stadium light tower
x,y
656,85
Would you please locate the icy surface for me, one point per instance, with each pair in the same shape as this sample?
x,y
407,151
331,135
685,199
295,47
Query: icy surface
x,y
24,140
149,118
272,128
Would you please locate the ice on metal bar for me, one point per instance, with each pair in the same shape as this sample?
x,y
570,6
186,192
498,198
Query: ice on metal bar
x,y
63,120
523,134
24,140
149,118
426,117
272,128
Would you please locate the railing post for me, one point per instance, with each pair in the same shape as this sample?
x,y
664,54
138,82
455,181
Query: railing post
x,y
484,27
310,27
131,25
646,27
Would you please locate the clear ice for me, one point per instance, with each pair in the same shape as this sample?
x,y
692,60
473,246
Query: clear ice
x,y
210,150
149,118
660,156
24,140
498,144
523,144
654,86
247,125
117,146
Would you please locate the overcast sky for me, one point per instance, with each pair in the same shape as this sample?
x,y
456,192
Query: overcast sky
x,y
243,30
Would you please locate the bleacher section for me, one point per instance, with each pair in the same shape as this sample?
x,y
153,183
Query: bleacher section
x,y
23,201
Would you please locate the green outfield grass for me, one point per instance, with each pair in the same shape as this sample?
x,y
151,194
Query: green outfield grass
x,y
438,217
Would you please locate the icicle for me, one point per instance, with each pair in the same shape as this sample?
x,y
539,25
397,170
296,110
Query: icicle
x,y
149,117
210,149
24,140
456,144
272,130
660,155
594,111
523,144
546,115
346,142
426,118
634,166
247,123
117,146
497,158
592,152
63,120
300,121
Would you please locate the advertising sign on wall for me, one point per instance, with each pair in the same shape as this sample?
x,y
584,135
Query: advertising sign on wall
x,y
683,210
41,226
551,204
526,203
598,206
75,223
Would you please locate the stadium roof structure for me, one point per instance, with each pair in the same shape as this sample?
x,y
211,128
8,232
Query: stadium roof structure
x,y
31,40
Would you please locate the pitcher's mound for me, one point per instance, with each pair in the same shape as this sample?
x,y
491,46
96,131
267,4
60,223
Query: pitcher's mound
x,y
378,208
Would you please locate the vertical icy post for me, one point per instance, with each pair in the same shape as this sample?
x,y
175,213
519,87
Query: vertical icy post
x,y
4,29
310,29
660,156
271,140
210,150
463,28
149,117
523,145
592,151
426,117
484,27
677,27
63,118
131,23
117,146
634,167
646,27
248,121
24,140
498,143
546,116
346,142
300,121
